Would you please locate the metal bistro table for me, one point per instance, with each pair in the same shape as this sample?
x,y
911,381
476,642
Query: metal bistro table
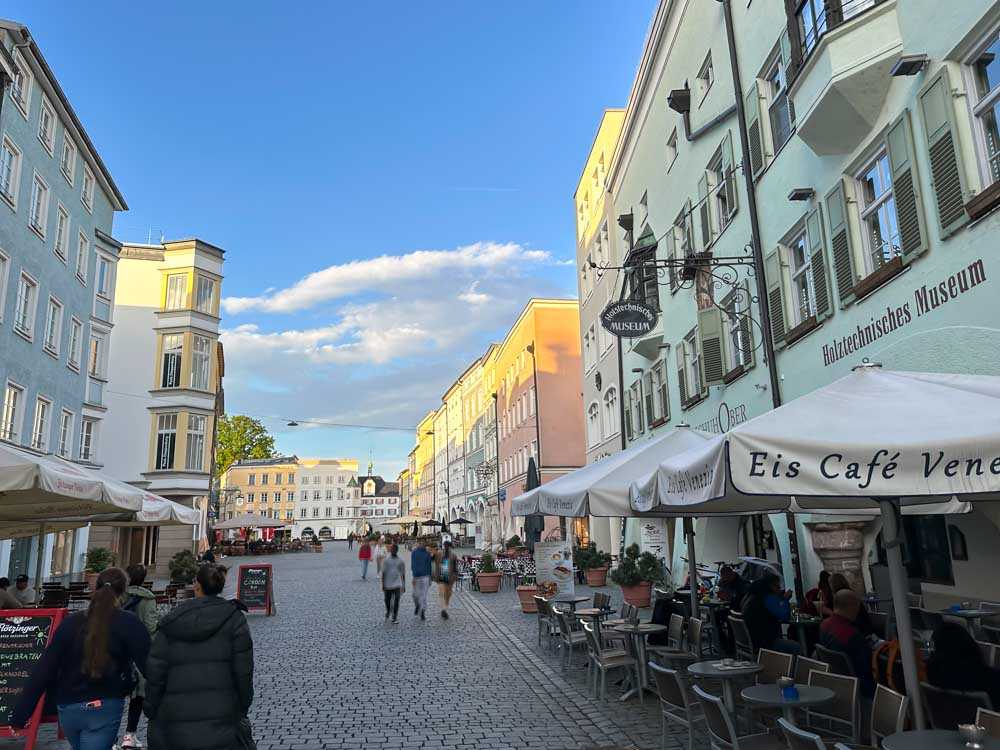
x,y
594,615
770,696
570,601
801,622
972,617
933,739
717,670
638,634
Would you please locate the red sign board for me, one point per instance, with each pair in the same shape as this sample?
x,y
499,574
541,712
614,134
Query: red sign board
x,y
255,587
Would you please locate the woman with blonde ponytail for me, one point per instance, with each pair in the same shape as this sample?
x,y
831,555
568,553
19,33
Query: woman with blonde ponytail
x,y
88,664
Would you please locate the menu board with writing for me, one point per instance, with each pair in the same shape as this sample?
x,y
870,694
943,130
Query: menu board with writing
x,y
254,587
24,633
554,569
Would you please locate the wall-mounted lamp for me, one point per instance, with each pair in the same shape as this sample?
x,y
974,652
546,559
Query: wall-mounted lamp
x,y
637,370
625,222
909,65
679,100
801,194
664,347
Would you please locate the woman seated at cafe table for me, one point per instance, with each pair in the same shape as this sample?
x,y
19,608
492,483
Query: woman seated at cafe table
x,y
765,608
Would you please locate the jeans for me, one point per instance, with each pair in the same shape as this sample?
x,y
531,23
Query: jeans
x,y
421,584
91,728
392,602
364,569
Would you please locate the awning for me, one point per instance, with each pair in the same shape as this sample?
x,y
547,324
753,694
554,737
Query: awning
x,y
250,521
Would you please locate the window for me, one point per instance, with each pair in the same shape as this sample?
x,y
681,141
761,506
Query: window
x,y
88,439
657,400
263,498
103,282
62,233
67,163
589,358
328,495
289,497
812,23
82,257
75,343
173,345
778,109
689,367
302,513
27,299
204,295
166,441
252,480
926,551
718,194
340,511
315,494
87,195
642,277
328,511
39,212
671,149
4,275
635,399
41,424
611,411
706,77
201,348
643,207
196,442
593,424
736,308
879,226
47,126
10,427
305,494
97,347
65,446
291,478
20,87
53,326
803,289
176,291
316,512
985,66
10,170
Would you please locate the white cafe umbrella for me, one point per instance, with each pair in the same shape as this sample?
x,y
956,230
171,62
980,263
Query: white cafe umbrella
x,y
249,521
873,436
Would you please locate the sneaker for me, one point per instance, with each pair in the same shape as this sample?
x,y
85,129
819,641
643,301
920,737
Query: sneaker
x,y
444,613
395,621
131,742
416,609
423,614
387,615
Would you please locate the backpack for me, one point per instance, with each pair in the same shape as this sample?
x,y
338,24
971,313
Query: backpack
x,y
132,605
887,666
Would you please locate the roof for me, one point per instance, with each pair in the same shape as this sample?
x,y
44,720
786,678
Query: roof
x,y
18,28
382,487
272,461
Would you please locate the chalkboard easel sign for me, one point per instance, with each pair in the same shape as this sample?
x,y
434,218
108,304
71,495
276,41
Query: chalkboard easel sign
x,y
255,588
24,634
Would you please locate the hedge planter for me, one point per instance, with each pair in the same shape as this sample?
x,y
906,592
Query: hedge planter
x,y
638,595
527,596
489,583
597,577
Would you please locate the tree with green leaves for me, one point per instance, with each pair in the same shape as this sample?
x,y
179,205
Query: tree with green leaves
x,y
241,437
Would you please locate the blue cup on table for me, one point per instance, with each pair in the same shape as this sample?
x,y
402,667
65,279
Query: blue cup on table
x,y
788,690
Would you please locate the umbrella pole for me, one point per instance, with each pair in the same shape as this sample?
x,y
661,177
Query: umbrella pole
x,y
904,628
41,554
692,565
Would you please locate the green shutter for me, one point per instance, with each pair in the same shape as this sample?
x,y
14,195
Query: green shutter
x,y
746,325
703,211
752,107
671,255
712,337
841,244
817,260
730,173
775,297
785,43
947,174
681,375
689,226
906,189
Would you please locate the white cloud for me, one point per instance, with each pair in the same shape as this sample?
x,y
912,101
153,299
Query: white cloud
x,y
389,272
474,297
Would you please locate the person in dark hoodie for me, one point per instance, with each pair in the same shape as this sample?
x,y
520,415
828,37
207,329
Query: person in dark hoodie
x,y
142,602
87,667
199,675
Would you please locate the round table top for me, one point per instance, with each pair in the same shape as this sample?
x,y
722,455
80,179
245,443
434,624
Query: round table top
x,y
714,603
643,628
715,668
770,695
970,614
933,739
570,599
589,612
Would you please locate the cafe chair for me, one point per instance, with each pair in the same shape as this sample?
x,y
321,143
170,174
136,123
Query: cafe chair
x,y
547,624
888,714
674,652
569,639
741,637
840,714
946,709
838,661
991,653
775,664
722,732
804,665
800,739
915,600
988,720
600,661
676,705
675,631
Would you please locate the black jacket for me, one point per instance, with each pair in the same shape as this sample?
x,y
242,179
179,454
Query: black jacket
x,y
59,670
764,627
199,676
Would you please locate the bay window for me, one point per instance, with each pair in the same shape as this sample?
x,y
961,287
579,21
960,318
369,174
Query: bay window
x,y
204,294
200,362
176,291
195,459
173,346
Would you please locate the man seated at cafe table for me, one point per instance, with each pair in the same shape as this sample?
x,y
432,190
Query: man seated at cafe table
x,y
24,595
765,608
840,633
7,599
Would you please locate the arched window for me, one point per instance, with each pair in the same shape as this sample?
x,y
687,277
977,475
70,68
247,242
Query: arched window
x,y
593,424
611,412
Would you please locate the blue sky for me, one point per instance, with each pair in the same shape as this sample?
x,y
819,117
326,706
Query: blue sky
x,y
390,181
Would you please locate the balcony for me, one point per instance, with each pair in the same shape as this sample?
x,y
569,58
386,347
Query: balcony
x,y
843,79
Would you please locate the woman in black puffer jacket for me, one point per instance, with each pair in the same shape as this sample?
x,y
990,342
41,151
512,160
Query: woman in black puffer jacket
x,y
199,674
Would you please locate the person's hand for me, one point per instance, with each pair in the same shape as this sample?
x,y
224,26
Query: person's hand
x,y
788,594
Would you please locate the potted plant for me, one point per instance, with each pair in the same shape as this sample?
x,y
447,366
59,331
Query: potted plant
x,y
183,567
488,576
97,561
513,543
636,575
526,593
594,563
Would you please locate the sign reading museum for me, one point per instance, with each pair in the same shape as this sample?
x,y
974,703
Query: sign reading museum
x,y
629,319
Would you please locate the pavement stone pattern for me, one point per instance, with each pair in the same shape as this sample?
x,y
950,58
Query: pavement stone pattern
x,y
333,674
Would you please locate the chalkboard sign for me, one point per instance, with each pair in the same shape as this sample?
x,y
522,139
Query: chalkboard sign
x,y
24,634
254,587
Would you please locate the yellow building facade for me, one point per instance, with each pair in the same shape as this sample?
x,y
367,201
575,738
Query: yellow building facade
x,y
265,486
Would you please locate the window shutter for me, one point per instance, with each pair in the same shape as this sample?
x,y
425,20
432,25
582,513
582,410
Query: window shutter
x,y
730,173
746,325
672,255
712,337
681,374
752,107
689,226
787,64
775,298
706,224
906,189
841,244
817,259
664,392
947,175
647,387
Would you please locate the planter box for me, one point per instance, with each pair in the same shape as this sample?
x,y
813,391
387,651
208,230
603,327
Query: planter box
x,y
597,577
489,583
638,595
527,594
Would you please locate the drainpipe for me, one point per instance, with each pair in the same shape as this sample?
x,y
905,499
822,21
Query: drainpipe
x,y
758,261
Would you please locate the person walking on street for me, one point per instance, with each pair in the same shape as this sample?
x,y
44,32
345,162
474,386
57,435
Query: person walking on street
x,y
445,573
87,667
380,553
420,568
350,541
199,675
365,556
142,603
393,576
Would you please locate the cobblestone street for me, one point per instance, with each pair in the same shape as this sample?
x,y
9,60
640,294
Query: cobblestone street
x,y
332,674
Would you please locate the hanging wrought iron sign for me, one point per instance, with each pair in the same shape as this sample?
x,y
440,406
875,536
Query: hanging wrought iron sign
x,y
629,319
